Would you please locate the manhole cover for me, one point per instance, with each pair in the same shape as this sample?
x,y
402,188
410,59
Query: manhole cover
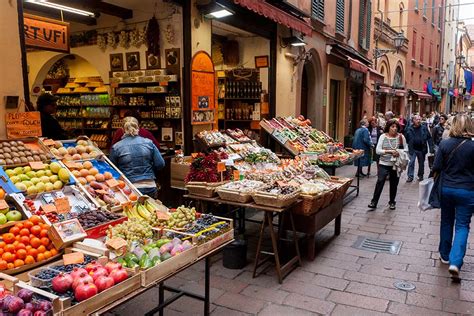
x,y
378,245
404,286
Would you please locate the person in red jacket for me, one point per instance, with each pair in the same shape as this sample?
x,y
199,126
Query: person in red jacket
x,y
141,132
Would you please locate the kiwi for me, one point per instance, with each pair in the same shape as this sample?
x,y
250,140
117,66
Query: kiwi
x,y
14,149
28,153
20,143
24,160
16,160
21,154
36,158
3,162
21,148
1,150
7,155
7,150
9,161
43,157
34,152
2,156
1,145
30,158
15,155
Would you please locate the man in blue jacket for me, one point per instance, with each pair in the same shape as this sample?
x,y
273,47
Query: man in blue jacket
x,y
418,139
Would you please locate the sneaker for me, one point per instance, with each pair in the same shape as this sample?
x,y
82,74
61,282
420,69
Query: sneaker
x,y
372,205
442,260
392,205
409,180
454,271
420,179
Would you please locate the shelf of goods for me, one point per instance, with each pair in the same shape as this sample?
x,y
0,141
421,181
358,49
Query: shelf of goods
x,y
234,142
298,137
78,242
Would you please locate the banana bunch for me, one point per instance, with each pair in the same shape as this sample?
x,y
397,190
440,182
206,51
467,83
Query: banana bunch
x,y
145,211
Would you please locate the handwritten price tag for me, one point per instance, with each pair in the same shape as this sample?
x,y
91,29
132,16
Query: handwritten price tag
x,y
3,205
49,142
36,165
48,208
71,165
73,257
116,243
236,175
62,205
194,155
162,215
220,166
112,183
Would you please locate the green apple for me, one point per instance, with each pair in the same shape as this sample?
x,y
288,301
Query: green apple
x,y
40,173
48,187
31,174
3,219
5,211
35,180
10,172
15,179
23,177
26,169
14,216
18,170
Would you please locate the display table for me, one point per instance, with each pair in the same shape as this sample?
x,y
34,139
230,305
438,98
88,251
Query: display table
x,y
269,214
353,191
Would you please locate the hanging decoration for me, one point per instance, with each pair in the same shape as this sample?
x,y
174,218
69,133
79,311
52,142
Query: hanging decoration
x,y
124,39
112,39
134,37
58,71
102,41
153,36
169,34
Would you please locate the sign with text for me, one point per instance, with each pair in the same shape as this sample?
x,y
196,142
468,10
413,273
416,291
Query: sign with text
x,y
202,89
23,124
46,33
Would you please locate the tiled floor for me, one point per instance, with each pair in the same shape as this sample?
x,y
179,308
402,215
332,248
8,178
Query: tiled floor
x,y
341,280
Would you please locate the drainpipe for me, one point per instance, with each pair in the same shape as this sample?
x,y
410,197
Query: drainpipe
x,y
441,47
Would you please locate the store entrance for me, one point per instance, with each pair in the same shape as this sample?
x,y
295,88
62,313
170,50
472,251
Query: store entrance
x,y
304,93
334,87
355,114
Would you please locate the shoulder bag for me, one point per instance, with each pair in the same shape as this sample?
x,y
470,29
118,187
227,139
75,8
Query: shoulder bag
x,y
435,195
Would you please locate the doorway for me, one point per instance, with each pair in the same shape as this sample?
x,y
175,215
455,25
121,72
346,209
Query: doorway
x,y
304,93
334,87
355,107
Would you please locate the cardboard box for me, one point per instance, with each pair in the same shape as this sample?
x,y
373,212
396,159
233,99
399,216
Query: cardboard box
x,y
65,233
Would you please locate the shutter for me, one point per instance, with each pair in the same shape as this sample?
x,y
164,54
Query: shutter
x,y
340,16
361,22
433,12
369,22
317,9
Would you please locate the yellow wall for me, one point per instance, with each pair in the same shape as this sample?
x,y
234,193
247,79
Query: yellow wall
x,y
337,73
11,80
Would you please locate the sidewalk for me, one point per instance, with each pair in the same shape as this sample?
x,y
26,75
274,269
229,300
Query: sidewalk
x,y
343,280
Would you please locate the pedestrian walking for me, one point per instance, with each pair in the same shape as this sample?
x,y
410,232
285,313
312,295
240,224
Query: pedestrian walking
x,y
362,141
454,164
438,130
375,131
403,123
419,139
388,148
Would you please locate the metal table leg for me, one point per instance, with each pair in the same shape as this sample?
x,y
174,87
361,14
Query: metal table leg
x,y
207,303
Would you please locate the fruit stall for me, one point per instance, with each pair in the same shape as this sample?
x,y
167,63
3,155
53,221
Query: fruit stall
x,y
76,237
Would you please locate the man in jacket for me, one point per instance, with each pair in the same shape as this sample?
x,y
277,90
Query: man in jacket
x,y
418,139
438,130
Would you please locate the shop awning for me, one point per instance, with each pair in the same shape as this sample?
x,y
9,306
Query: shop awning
x,y
384,89
375,75
399,92
357,65
421,94
273,13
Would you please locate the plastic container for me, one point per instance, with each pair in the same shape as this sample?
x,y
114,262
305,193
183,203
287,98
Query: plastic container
x,y
235,255
37,282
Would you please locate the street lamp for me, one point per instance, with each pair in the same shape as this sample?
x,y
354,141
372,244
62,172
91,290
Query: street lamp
x,y
398,42
461,59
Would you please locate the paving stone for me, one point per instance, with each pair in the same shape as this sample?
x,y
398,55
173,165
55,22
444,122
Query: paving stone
x,y
240,303
338,264
325,270
377,291
309,303
269,295
222,311
188,305
343,310
311,290
232,286
357,300
369,279
458,307
393,273
330,282
282,310
433,279
427,301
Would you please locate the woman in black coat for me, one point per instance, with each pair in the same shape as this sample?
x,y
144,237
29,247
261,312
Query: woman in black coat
x,y
374,132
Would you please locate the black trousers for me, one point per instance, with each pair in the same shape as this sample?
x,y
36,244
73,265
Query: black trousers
x,y
383,172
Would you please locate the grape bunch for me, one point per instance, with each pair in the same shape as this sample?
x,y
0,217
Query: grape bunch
x,y
132,229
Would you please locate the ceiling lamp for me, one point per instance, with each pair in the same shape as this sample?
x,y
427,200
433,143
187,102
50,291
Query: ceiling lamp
x,y
215,10
293,41
61,7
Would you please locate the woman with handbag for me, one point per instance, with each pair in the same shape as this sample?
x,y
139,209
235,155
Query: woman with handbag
x,y
455,167
387,147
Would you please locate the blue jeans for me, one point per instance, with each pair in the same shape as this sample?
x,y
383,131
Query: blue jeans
x,y
151,192
421,164
457,207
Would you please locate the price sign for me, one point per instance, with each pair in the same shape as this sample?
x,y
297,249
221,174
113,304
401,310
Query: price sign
x,y
112,183
116,243
37,165
48,208
279,137
236,175
73,258
162,215
3,205
101,191
220,166
71,164
194,155
49,142
62,205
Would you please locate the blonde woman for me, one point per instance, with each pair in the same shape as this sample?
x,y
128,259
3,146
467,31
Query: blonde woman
x,y
137,157
454,163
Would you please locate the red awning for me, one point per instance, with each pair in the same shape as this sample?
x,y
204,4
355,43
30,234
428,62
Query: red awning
x,y
422,94
384,89
400,92
277,15
357,65
375,75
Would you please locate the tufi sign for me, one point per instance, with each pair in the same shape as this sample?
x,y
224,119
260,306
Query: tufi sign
x,y
23,124
46,33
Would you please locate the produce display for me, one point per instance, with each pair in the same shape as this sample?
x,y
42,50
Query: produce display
x,y
24,303
180,218
19,152
244,186
278,189
204,168
262,155
80,150
212,138
10,214
238,135
131,230
94,218
142,211
52,177
208,227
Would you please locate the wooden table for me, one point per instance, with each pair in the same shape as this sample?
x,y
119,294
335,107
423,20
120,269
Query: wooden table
x,y
269,214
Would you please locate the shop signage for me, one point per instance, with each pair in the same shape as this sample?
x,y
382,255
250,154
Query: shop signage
x,y
46,33
23,124
202,89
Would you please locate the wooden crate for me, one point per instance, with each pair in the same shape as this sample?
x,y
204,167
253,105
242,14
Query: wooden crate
x,y
214,243
168,267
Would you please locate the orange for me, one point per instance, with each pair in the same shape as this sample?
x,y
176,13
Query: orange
x,y
8,238
19,225
28,247
10,265
17,238
45,241
24,232
28,224
32,252
44,233
44,226
14,230
16,242
121,184
47,254
28,260
21,254
40,257
25,240
41,249
35,242
53,251
8,257
36,230
9,248
133,197
2,244
3,264
35,219
32,236
20,246
19,263
1,251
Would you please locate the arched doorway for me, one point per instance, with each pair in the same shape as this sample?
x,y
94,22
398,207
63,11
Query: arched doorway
x,y
311,90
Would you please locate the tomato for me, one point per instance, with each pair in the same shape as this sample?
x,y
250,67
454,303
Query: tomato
x,y
32,252
35,242
21,254
35,219
20,246
3,265
29,260
40,257
10,265
41,249
9,248
24,232
8,238
45,241
36,230
8,257
28,224
19,263
14,230
25,240
44,233
47,254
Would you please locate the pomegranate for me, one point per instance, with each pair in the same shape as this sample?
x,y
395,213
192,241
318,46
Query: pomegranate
x,y
85,291
14,305
112,266
119,274
97,272
77,271
62,282
90,266
83,277
103,282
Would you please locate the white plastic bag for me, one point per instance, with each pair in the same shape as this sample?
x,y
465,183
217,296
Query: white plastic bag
x,y
424,194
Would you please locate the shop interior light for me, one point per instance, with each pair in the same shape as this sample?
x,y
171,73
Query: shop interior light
x,y
293,41
215,10
61,7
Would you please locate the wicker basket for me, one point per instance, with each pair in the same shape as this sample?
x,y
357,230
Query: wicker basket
x,y
203,188
234,196
310,204
328,198
273,200
341,190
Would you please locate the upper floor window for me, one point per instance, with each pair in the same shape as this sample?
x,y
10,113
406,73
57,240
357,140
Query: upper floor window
x,y
433,12
416,4
425,4
440,16
413,45
340,16
365,18
317,9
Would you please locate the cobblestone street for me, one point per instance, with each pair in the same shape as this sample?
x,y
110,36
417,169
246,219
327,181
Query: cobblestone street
x,y
343,280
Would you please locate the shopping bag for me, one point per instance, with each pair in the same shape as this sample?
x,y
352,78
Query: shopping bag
x,y
425,188
435,195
